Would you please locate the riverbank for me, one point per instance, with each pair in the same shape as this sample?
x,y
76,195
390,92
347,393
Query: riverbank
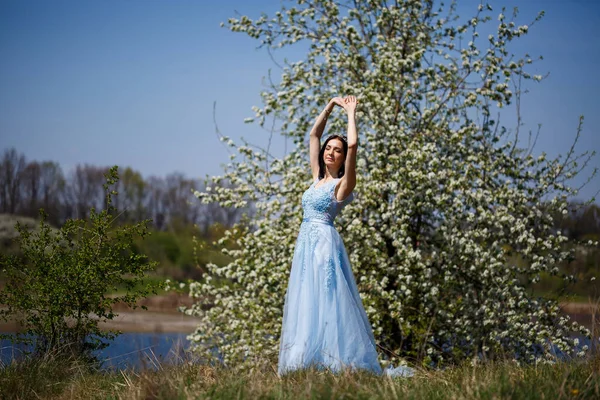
x,y
582,313
162,315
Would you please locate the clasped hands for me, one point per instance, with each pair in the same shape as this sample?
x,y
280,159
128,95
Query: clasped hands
x,y
348,103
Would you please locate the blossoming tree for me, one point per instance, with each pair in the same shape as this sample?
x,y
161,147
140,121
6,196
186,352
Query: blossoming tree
x,y
453,215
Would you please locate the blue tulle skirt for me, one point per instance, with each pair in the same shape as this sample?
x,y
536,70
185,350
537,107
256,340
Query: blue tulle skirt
x,y
324,322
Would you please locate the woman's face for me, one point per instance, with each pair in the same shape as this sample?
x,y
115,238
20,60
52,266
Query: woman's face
x,y
333,156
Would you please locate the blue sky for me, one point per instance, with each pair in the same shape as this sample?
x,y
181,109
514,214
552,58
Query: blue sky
x,y
133,82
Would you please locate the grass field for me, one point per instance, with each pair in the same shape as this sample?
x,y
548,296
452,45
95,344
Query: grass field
x,y
70,379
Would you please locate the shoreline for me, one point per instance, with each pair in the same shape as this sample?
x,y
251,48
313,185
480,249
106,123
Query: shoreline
x,y
162,316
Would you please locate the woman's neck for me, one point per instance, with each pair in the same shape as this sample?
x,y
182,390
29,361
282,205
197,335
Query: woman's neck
x,y
330,174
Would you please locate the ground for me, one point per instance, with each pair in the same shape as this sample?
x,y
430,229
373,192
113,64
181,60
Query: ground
x,y
162,315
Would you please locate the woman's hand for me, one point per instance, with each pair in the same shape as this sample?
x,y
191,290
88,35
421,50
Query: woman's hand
x,y
350,103
337,101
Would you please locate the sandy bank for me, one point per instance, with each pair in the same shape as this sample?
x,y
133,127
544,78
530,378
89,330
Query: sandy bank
x,y
162,316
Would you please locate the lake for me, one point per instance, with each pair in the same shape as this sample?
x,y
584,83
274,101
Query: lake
x,y
128,350
143,350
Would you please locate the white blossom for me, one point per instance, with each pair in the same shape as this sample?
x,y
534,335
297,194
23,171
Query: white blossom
x,y
443,208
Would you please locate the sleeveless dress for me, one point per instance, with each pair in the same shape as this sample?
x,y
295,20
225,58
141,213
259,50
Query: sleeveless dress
x,y
324,321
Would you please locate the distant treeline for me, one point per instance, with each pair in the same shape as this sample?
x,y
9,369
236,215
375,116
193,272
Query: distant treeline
x,y
582,222
26,186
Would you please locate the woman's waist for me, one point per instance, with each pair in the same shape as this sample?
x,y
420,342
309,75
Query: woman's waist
x,y
318,220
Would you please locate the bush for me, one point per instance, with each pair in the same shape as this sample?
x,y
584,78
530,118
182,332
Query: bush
x,y
56,288
454,219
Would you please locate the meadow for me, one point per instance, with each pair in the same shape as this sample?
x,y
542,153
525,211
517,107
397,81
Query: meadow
x,y
59,378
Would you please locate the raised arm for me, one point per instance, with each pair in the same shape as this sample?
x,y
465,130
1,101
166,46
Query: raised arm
x,y
317,131
346,184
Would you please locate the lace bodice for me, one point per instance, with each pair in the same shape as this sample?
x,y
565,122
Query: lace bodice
x,y
319,203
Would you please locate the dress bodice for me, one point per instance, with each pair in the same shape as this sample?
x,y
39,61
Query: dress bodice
x,y
319,203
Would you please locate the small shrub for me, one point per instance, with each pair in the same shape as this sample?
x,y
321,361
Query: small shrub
x,y
56,288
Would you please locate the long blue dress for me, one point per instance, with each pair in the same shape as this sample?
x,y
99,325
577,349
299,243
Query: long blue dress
x,y
324,321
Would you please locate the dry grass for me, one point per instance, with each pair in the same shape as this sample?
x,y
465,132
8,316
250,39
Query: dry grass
x,y
69,379
492,381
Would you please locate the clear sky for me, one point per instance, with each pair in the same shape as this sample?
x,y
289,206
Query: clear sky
x,y
133,82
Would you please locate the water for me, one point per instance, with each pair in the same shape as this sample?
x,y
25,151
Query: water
x,y
145,350
126,351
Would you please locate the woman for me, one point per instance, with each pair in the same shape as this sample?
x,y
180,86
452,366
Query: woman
x,y
324,322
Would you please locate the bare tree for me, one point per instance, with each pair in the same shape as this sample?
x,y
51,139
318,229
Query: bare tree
x,y
213,213
582,221
52,191
132,193
154,201
85,190
30,185
11,170
177,197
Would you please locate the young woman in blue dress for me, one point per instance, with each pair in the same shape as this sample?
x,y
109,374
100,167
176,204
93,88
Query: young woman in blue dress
x,y
324,321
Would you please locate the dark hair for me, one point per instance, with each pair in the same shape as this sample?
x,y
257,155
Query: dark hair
x,y
342,170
